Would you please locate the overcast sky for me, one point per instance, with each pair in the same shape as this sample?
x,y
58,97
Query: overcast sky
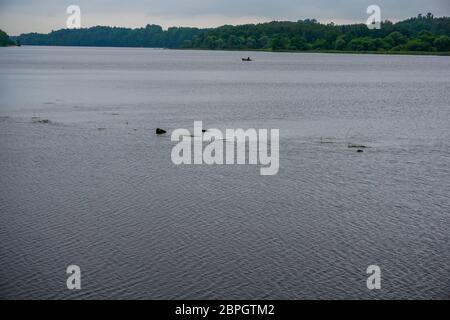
x,y
19,16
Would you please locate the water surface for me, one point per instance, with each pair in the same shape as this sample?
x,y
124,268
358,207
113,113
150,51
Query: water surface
x,y
112,202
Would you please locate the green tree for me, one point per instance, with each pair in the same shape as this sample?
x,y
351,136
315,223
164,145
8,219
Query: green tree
x,y
418,45
235,42
219,44
298,43
251,43
210,42
263,42
319,44
5,40
426,36
396,38
186,44
340,43
442,43
358,44
279,43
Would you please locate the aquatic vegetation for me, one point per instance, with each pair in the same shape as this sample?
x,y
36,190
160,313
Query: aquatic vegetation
x,y
359,146
327,140
40,120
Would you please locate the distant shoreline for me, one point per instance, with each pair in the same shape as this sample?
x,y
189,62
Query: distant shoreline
x,y
421,35
411,53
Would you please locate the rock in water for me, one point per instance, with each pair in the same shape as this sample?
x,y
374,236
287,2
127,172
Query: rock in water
x,y
160,131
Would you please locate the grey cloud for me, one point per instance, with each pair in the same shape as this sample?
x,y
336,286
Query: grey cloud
x,y
29,15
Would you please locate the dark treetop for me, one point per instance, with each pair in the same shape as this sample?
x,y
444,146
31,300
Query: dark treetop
x,y
5,40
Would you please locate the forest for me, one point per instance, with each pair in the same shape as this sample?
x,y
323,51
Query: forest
x,y
5,40
424,33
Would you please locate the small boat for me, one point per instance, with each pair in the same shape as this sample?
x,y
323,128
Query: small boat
x,y
246,59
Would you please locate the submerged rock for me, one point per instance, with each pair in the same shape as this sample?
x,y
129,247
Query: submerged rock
x,y
160,131
39,120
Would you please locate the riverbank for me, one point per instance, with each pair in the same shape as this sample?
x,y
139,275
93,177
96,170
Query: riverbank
x,y
410,53
413,53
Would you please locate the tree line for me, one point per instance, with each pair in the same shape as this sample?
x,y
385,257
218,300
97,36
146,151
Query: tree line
x,y
5,40
151,36
421,33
